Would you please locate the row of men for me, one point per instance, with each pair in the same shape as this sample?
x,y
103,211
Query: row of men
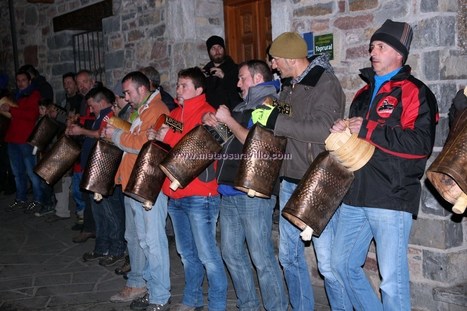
x,y
395,112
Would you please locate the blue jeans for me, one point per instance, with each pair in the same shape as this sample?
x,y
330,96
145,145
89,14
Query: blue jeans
x,y
149,227
109,216
335,290
244,219
77,193
22,165
292,259
356,227
194,221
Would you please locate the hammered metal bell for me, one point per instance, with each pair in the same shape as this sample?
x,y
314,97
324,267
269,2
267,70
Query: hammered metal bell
x,y
260,165
318,193
100,170
190,157
58,160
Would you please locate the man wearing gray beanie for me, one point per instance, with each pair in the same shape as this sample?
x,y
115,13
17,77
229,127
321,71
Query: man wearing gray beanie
x,y
397,114
313,99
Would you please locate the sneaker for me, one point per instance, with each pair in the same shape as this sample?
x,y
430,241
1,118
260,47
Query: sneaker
x,y
55,217
141,303
156,307
110,260
91,256
128,294
182,307
33,207
45,210
16,205
125,268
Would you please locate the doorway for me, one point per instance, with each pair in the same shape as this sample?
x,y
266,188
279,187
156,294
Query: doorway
x,y
247,28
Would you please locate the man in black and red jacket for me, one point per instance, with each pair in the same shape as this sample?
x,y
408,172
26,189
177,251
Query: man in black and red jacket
x,y
397,114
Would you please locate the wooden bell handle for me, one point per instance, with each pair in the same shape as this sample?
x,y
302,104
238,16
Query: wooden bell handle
x,y
461,204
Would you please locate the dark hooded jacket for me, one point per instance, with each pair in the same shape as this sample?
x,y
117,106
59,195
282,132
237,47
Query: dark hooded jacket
x,y
222,91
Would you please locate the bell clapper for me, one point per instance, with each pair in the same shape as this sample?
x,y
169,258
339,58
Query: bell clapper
x,y
147,205
461,204
97,197
174,185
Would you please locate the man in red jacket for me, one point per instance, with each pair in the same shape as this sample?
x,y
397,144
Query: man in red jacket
x,y
23,119
194,209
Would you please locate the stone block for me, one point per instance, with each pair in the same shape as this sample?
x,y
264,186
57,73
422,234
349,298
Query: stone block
x,y
415,257
436,31
362,5
428,6
159,50
135,35
114,60
431,65
319,9
60,68
31,16
422,297
357,52
62,39
111,24
436,233
454,66
157,32
353,22
448,268
452,295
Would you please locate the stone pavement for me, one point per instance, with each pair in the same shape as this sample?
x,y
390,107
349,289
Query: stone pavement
x,y
41,269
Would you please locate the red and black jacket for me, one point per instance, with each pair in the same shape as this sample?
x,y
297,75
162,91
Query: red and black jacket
x,y
401,125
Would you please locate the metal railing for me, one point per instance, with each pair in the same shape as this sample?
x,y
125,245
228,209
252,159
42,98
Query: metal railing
x,y
88,53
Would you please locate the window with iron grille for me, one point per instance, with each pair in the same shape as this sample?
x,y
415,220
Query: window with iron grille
x,y
88,52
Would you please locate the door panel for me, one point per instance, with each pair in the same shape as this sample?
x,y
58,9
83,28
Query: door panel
x,y
248,28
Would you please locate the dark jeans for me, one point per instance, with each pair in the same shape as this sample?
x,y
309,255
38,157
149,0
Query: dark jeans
x,y
109,216
89,225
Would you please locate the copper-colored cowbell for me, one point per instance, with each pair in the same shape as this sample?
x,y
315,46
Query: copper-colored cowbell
x,y
260,165
190,157
448,173
100,170
318,194
58,160
43,133
146,178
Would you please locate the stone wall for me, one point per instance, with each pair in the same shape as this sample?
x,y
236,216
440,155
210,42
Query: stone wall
x,y
170,35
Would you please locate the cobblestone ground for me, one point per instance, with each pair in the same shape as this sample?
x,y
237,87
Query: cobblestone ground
x,y
41,268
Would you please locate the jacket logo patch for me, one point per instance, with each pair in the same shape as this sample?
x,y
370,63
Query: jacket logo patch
x,y
386,106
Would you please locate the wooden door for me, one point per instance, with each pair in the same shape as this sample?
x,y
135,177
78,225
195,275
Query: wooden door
x,y
247,28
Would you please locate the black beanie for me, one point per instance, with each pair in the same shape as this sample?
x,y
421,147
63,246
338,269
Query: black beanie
x,y
213,40
396,34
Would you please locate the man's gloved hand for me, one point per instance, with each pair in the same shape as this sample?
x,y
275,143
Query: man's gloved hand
x,y
306,234
265,115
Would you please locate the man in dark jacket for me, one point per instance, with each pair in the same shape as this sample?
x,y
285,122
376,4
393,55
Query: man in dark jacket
x,y
314,99
397,114
221,76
